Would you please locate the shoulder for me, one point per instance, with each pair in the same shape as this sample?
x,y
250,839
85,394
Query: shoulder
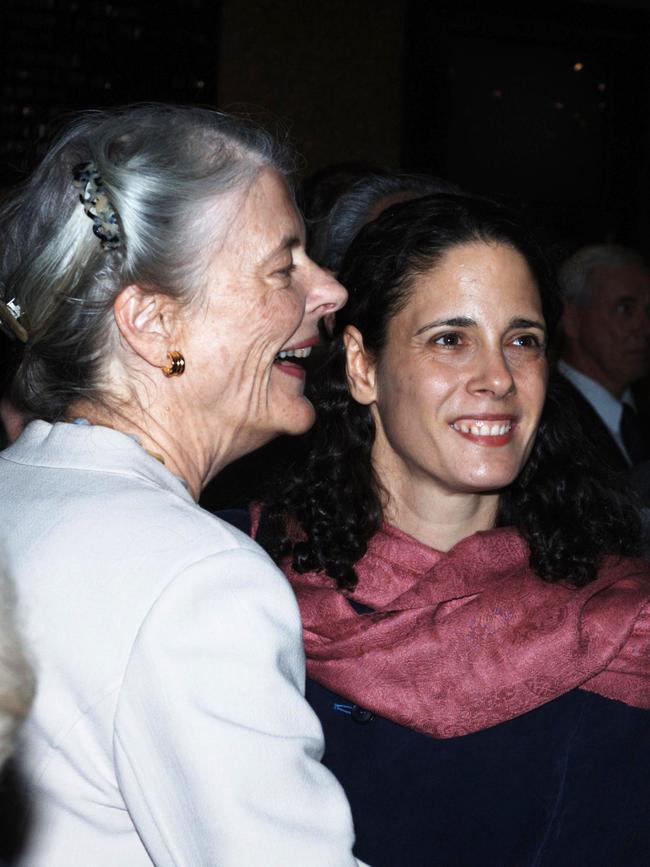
x,y
113,543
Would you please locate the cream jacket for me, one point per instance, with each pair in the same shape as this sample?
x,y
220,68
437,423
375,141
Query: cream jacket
x,y
169,726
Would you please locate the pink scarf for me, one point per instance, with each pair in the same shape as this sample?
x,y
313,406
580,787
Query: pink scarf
x,y
461,641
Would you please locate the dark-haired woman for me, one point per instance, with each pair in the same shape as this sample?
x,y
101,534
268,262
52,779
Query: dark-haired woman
x,y
478,638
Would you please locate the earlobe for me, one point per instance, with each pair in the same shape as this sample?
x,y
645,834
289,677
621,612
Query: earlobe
x,y
360,367
144,322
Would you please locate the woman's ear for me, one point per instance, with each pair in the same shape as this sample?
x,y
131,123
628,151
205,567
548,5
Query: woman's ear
x,y
146,322
360,367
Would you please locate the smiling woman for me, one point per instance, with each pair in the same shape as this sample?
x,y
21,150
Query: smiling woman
x,y
263,298
477,642
438,393
154,280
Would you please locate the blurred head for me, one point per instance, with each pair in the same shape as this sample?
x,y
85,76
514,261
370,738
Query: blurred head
x,y
193,245
444,336
606,319
361,203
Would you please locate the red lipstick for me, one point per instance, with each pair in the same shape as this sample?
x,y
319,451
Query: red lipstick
x,y
488,430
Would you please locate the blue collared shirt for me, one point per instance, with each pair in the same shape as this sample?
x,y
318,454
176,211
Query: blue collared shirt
x,y
609,408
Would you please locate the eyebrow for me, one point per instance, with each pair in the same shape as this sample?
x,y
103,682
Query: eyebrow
x,y
528,323
288,243
467,322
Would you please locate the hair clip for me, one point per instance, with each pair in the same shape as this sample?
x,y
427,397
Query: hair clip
x,y
10,313
97,204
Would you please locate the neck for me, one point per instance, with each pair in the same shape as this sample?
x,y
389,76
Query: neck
x,y
438,519
173,445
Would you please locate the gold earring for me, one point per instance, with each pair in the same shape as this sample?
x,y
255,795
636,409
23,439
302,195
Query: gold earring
x,y
176,364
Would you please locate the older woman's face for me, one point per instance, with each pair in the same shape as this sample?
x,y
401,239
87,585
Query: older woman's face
x,y
460,386
243,345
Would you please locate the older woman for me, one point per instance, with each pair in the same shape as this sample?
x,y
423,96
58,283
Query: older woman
x,y
155,281
479,648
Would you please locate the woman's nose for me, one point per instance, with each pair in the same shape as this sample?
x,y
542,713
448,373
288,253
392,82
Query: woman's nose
x,y
492,374
326,295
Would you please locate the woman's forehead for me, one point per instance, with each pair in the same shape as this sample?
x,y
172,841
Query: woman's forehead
x,y
479,279
259,222
268,219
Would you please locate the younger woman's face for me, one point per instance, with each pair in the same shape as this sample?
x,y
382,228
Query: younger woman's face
x,y
458,391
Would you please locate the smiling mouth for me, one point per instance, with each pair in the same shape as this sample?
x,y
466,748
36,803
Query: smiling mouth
x,y
492,432
481,428
294,354
293,361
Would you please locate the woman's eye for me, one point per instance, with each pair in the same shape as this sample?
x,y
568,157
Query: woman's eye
x,y
286,272
528,341
448,339
625,307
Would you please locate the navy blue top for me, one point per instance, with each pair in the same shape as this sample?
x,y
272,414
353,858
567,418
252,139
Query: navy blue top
x,y
566,785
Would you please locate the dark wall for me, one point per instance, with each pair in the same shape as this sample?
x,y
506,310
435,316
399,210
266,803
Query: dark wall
x,y
542,103
61,55
548,105
332,71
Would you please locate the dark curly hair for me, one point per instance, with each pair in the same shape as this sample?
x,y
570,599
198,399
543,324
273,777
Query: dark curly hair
x,y
567,507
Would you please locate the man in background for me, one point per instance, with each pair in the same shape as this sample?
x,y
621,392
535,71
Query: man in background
x,y
606,326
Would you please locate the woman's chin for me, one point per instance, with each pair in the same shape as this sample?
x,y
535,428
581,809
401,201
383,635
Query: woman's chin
x,y
488,480
295,418
303,418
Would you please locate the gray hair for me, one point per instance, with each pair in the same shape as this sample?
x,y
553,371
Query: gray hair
x,y
166,171
359,205
16,679
575,273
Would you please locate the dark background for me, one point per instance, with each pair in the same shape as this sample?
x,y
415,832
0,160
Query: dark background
x,y
545,104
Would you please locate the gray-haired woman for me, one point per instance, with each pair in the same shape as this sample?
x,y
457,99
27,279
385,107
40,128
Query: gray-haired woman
x,y
154,276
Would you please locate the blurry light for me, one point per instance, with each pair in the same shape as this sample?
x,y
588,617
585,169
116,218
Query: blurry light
x,y
199,84
107,85
602,87
497,93
578,67
559,104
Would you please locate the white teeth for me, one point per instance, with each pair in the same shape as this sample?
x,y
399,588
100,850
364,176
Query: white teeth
x,y
480,428
305,352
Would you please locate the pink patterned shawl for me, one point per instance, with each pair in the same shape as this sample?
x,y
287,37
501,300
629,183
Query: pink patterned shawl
x,y
461,641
